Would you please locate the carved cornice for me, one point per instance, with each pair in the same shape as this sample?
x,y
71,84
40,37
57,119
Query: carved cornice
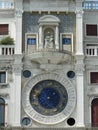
x,y
6,67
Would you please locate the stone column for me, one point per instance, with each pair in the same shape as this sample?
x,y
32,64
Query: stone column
x,y
16,91
18,16
57,38
80,90
40,38
79,32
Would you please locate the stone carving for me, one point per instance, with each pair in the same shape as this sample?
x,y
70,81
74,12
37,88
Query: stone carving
x,y
6,67
4,95
79,68
79,12
18,12
17,68
49,41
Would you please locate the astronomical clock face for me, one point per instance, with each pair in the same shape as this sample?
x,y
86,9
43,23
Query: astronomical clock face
x,y
48,98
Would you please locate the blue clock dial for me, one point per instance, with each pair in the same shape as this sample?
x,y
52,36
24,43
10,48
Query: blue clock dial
x,y
48,97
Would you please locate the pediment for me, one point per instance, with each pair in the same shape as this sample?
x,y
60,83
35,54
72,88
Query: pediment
x,y
49,19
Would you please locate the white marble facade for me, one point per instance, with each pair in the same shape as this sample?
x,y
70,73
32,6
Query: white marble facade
x,y
49,45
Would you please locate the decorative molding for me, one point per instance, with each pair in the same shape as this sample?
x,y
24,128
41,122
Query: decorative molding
x,y
49,19
47,6
79,12
4,95
3,85
18,13
18,58
6,67
79,68
17,68
19,8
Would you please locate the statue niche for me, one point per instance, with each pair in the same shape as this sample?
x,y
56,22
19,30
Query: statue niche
x,y
49,42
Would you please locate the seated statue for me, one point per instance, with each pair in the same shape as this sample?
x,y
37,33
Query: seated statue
x,y
49,41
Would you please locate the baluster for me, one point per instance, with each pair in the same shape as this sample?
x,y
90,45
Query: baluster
x,y
95,50
0,51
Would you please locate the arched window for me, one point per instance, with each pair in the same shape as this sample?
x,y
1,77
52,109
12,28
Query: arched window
x,y
94,112
2,111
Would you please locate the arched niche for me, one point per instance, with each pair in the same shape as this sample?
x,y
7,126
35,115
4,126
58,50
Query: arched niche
x,y
49,26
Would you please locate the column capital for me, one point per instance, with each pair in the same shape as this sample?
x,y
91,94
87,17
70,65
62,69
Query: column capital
x,y
18,13
79,12
18,8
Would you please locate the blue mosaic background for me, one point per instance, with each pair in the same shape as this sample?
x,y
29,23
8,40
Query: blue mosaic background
x,y
30,23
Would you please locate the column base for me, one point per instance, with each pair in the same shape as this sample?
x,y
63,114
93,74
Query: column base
x,y
40,47
16,125
80,125
57,47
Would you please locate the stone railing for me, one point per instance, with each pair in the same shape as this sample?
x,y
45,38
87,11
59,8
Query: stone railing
x,y
6,4
91,50
90,5
7,49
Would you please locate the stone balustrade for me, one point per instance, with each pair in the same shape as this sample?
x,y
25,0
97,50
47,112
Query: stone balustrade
x,y
8,4
90,5
91,50
7,49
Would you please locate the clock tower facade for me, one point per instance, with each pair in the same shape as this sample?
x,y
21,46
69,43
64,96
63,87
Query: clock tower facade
x,y
44,67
